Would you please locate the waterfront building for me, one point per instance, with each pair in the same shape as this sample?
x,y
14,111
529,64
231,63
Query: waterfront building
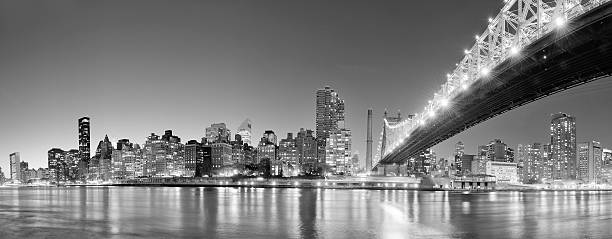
x,y
530,162
267,156
84,125
329,112
338,152
71,168
459,152
218,133
504,172
423,163
55,162
125,160
14,161
498,151
238,153
245,131
289,156
194,158
547,163
589,157
306,145
563,146
466,163
163,155
100,165
221,158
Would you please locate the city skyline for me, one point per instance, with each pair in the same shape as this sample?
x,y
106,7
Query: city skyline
x,y
41,105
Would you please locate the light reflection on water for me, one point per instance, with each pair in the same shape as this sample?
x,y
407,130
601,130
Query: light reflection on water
x,y
167,212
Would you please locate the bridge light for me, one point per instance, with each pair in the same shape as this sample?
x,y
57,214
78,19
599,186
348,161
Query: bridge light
x,y
422,122
485,71
431,114
444,102
476,37
559,22
466,51
464,86
514,50
490,19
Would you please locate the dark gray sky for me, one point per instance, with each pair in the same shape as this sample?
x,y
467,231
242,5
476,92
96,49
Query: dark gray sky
x,y
138,67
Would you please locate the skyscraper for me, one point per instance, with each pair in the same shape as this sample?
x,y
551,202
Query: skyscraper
x,y
459,152
329,113
530,162
306,144
56,160
218,133
15,161
338,152
84,145
589,161
245,131
289,157
563,146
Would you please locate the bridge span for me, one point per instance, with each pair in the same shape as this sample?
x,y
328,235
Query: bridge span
x,y
532,49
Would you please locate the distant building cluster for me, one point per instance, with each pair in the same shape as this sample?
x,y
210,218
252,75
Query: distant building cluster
x,y
217,153
561,159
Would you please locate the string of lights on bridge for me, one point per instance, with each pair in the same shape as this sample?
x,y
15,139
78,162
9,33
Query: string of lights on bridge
x,y
518,24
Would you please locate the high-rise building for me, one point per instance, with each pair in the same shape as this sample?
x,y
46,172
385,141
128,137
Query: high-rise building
x,y
547,163
289,156
194,159
307,150
466,163
84,146
338,152
563,146
499,151
267,153
329,117
245,131
589,157
15,161
100,165
530,162
221,157
459,151
56,159
218,133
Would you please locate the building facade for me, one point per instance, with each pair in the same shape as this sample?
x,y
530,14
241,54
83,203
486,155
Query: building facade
x,y
563,146
589,157
329,112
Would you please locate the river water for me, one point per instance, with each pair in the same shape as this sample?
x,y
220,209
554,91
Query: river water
x,y
193,212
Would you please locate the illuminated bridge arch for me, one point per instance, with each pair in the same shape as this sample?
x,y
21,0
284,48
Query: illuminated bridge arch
x,y
530,50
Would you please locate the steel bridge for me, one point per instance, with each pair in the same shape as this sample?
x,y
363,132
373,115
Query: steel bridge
x,y
530,50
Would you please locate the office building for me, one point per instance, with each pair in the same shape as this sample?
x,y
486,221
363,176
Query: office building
x,y
14,161
245,132
329,112
589,157
563,146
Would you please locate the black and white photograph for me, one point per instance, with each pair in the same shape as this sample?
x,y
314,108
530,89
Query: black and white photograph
x,y
274,119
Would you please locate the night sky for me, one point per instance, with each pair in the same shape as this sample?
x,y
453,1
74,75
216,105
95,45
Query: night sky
x,y
137,67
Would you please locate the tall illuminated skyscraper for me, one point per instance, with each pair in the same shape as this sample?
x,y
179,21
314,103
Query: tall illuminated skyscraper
x,y
459,152
563,146
329,113
84,146
589,161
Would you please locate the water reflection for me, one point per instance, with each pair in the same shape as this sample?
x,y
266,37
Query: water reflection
x,y
166,212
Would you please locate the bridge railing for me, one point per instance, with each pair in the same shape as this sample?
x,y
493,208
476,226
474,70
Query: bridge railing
x,y
518,24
